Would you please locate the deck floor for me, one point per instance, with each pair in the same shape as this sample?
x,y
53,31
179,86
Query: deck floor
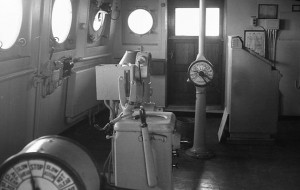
x,y
234,167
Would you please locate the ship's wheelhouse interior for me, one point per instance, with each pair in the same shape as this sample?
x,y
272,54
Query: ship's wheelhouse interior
x,y
224,74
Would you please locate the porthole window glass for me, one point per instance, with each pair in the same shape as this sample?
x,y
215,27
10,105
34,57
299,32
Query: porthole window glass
x,y
61,19
99,20
140,21
11,15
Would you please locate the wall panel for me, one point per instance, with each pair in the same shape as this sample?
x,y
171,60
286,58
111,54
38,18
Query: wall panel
x,y
238,15
16,113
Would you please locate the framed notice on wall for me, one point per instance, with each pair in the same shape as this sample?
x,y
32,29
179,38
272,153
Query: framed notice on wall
x,y
295,8
255,40
267,11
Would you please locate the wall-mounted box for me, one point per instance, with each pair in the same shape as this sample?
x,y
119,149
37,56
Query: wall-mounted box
x,y
295,8
269,24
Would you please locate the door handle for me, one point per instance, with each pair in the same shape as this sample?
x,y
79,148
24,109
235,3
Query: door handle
x,y
172,54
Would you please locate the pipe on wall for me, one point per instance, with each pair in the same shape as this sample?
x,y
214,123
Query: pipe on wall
x,y
16,75
202,12
81,59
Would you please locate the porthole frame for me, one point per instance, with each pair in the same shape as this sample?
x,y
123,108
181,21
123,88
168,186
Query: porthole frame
x,y
101,36
11,40
21,46
70,42
149,38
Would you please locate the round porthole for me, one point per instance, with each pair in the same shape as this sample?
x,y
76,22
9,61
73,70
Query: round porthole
x,y
11,15
98,20
61,19
140,21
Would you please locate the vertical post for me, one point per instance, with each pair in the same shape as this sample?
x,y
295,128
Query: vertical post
x,y
200,120
202,12
199,148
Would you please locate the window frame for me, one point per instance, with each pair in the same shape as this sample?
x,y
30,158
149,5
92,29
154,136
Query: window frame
x,y
101,36
21,47
70,42
194,4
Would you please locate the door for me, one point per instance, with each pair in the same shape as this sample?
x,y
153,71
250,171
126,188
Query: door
x,y
18,27
183,49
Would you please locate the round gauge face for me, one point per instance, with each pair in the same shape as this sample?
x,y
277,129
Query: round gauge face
x,y
35,174
201,72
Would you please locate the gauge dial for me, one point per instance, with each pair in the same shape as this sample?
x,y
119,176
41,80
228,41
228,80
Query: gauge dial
x,y
30,173
50,163
201,72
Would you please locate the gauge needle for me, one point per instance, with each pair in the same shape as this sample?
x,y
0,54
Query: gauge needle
x,y
33,184
203,76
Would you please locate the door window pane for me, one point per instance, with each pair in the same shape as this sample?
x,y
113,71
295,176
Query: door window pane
x,y
187,22
212,22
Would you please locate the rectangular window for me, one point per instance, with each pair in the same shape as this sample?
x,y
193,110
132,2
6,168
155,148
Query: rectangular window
x,y
212,22
187,22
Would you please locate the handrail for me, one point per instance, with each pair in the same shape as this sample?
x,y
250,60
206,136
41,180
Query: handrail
x,y
81,59
267,61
